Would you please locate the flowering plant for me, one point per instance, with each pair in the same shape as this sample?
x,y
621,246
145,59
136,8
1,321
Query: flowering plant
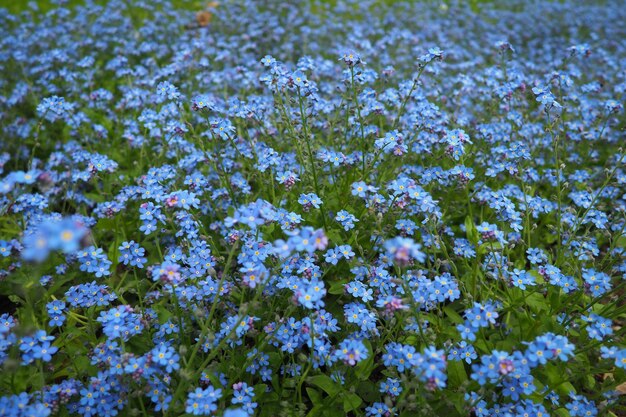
x,y
313,210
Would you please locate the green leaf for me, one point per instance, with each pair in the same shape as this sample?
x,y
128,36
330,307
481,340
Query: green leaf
x,y
471,231
453,315
489,247
351,402
537,302
456,373
316,410
565,388
550,238
365,368
274,358
261,388
324,382
538,277
332,410
337,288
334,236
367,391
314,395
562,412
270,228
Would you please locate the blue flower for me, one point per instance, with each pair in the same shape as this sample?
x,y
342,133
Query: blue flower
x,y
203,402
352,351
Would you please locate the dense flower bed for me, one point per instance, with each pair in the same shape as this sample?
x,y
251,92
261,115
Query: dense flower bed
x,y
301,209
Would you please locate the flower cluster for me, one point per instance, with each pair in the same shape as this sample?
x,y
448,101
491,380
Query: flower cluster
x,y
312,209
